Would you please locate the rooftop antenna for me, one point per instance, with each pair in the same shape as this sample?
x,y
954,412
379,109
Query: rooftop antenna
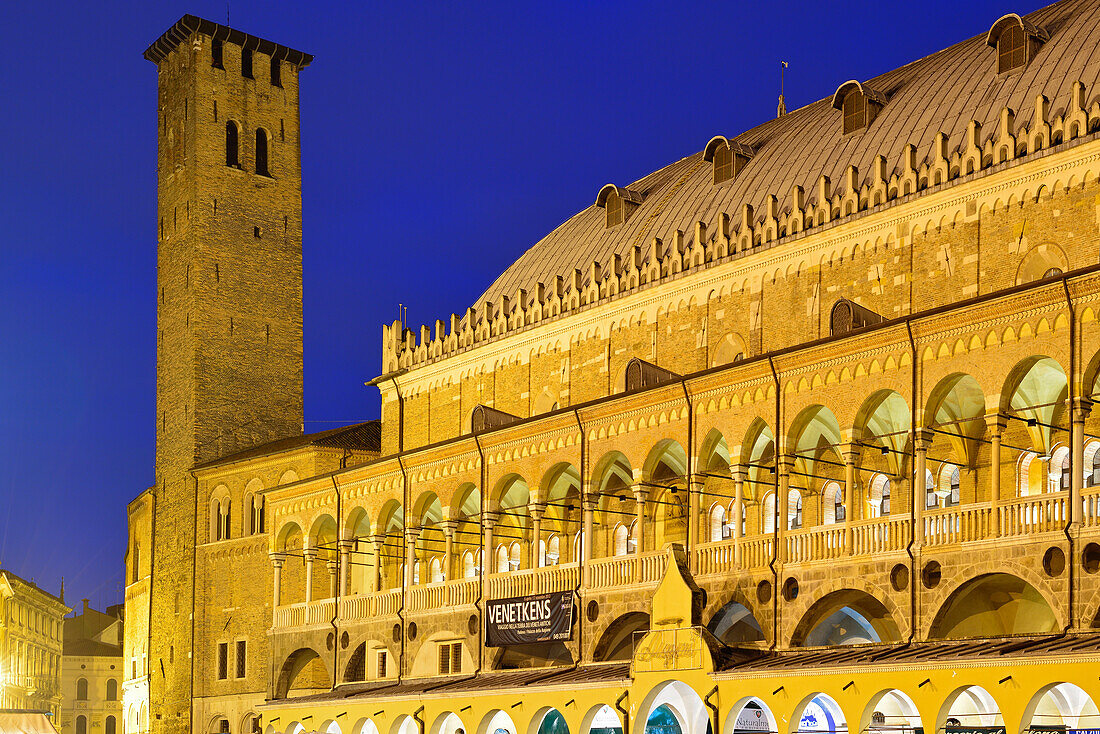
x,y
227,12
782,105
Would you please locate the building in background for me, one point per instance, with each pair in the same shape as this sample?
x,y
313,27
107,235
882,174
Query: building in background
x,y
30,645
793,435
92,672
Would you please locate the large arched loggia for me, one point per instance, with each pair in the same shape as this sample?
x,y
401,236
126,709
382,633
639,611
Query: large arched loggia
x,y
994,605
734,624
447,723
548,721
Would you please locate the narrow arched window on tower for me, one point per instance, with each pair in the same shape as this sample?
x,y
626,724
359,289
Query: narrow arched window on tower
x,y
261,152
232,145
276,72
216,53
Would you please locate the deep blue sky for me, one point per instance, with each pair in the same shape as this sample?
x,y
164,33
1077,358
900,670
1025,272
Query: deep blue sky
x,y
439,142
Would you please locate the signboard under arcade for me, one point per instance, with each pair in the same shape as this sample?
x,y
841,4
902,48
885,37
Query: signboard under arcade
x,y
525,620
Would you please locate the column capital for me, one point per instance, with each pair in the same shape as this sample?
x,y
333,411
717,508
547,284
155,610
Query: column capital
x,y
310,554
851,452
346,546
589,503
996,422
922,439
1080,409
277,559
738,472
412,534
785,462
489,519
449,528
641,493
536,510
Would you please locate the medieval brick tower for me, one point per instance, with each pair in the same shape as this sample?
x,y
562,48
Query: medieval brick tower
x,y
229,299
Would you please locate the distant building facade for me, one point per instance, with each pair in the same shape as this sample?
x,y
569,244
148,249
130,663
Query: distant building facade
x,y
30,645
92,672
793,435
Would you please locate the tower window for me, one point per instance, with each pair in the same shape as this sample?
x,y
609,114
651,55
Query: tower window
x,y
232,145
242,657
223,660
216,53
276,72
261,152
246,63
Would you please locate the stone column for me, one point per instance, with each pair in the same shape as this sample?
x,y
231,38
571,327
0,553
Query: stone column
x,y
310,555
588,511
738,474
333,570
277,560
411,536
1079,413
378,543
536,510
921,442
640,495
488,558
995,422
850,452
784,465
694,489
345,547
449,527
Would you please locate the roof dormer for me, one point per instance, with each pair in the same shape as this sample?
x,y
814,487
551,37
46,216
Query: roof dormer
x,y
619,203
728,158
1016,41
859,104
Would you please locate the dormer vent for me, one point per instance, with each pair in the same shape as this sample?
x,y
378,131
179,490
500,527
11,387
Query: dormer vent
x,y
728,158
848,316
1016,41
640,374
484,418
859,104
619,203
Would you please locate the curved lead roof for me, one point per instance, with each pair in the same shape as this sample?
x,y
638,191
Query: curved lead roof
x,y
941,92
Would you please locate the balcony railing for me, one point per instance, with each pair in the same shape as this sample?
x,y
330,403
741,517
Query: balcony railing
x,y
957,525
644,568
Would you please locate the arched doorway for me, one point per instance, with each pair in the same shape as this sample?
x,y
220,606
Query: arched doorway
x,y
994,605
448,723
551,722
601,720
497,722
819,714
750,716
891,711
1060,708
968,708
673,707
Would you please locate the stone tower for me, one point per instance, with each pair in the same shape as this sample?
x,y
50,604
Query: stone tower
x,y
229,299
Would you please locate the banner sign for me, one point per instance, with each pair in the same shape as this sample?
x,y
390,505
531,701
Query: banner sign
x,y
960,729
527,619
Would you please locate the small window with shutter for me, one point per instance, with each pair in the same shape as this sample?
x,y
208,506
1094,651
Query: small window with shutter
x,y
450,658
614,206
723,164
855,112
1011,49
382,664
